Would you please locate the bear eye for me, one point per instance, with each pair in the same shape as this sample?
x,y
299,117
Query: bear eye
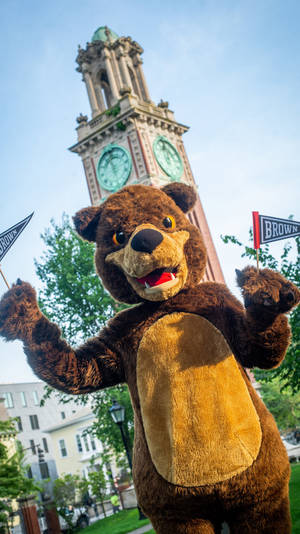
x,y
118,238
169,222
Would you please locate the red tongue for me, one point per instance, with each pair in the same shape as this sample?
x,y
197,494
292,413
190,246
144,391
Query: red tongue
x,y
155,279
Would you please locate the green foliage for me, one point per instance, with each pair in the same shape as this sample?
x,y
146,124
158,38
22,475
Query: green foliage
x,y
114,111
68,492
284,406
13,480
105,429
121,126
73,297
72,293
97,482
289,266
65,490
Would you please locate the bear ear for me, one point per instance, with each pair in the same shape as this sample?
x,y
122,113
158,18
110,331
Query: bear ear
x,y
86,222
183,195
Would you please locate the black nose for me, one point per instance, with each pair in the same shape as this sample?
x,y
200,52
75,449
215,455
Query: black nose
x,y
146,240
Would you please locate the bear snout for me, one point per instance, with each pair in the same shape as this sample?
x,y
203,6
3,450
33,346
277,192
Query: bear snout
x,y
146,240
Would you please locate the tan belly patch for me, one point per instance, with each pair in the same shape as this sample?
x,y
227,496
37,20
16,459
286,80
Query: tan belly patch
x,y
200,423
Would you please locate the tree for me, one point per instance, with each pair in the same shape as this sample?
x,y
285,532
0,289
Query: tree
x,y
73,297
68,492
284,406
13,480
65,490
289,266
97,482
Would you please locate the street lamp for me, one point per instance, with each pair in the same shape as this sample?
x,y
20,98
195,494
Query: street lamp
x,y
117,413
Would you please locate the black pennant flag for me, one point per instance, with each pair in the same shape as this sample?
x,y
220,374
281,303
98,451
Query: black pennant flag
x,y
274,229
8,237
267,229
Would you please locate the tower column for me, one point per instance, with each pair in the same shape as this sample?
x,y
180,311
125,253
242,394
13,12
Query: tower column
x,y
123,69
100,98
91,92
110,75
138,66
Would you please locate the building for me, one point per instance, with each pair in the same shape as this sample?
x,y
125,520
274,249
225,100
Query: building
x,y
8,439
74,446
129,139
22,401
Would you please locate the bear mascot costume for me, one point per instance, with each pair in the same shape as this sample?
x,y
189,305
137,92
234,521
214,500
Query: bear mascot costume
x,y
206,449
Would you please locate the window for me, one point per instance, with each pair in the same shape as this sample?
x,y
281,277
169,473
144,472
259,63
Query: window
x,y
23,399
63,415
44,470
8,400
133,81
45,445
78,442
93,443
86,443
34,422
32,445
19,424
62,446
29,472
35,398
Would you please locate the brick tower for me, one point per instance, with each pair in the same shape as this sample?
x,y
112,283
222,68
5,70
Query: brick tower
x,y
129,139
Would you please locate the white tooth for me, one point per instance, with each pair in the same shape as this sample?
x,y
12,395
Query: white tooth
x,y
147,285
173,277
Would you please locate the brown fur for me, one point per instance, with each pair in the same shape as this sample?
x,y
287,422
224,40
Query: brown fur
x,y
255,500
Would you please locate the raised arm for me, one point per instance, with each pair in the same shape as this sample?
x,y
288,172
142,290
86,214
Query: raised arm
x,y
260,334
94,365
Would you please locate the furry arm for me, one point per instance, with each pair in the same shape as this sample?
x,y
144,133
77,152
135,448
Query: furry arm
x,y
261,333
92,366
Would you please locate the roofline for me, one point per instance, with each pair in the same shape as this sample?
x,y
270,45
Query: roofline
x,y
21,383
69,423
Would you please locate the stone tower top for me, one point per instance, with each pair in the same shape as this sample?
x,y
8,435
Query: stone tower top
x,y
111,66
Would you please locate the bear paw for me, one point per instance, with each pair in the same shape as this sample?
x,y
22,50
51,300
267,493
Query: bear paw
x,y
19,312
268,290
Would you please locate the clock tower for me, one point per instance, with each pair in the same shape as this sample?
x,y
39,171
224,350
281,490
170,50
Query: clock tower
x,y
129,139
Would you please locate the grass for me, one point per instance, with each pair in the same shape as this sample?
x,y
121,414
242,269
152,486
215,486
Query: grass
x,y
120,523
295,498
128,520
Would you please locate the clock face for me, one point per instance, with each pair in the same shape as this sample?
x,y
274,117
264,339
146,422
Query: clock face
x,y
114,167
167,157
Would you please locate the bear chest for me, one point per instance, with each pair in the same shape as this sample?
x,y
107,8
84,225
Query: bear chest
x,y
200,423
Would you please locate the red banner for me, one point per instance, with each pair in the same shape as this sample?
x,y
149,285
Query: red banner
x,y
256,233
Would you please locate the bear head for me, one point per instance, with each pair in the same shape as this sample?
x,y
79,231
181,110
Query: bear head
x,y
146,248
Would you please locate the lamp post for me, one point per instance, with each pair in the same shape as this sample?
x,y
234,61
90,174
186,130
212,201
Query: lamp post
x,y
117,413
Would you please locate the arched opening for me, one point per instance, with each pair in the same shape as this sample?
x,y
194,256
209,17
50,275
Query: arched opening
x,y
105,89
133,82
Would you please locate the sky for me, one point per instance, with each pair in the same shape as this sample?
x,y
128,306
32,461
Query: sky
x,y
229,70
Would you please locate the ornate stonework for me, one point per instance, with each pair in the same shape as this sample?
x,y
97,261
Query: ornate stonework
x,y
124,117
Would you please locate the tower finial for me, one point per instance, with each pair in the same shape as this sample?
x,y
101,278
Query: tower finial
x,y
107,33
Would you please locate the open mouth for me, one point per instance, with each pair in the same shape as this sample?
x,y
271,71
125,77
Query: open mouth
x,y
158,277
